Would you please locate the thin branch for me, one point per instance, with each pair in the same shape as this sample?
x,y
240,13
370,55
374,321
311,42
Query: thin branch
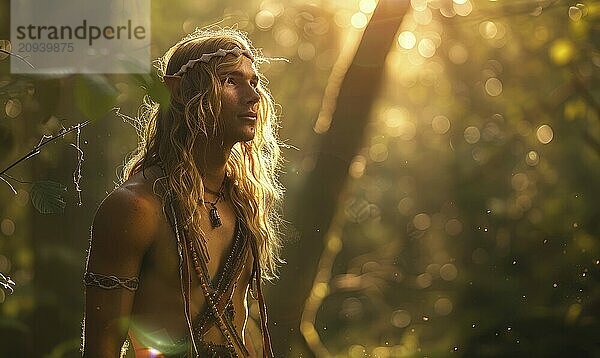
x,y
5,175
9,184
17,56
36,149
7,283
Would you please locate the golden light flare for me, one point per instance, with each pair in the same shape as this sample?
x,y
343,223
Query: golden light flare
x,y
5,264
378,152
342,18
562,51
448,272
544,134
7,226
532,158
426,48
424,280
285,36
359,20
306,51
440,124
407,40
463,9
394,116
488,29
472,135
405,205
493,87
447,11
575,13
264,19
13,108
367,6
275,7
357,167
422,221
418,5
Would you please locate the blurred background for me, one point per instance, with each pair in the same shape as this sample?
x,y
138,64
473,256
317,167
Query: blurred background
x,y
442,180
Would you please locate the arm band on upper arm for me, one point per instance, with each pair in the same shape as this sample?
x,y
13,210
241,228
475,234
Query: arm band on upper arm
x,y
110,282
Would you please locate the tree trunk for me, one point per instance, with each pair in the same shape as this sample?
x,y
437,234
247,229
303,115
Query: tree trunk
x,y
321,192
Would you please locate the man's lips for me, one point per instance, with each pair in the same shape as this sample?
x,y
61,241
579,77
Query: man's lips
x,y
249,116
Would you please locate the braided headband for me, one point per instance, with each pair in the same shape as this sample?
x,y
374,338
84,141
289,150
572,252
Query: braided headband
x,y
207,56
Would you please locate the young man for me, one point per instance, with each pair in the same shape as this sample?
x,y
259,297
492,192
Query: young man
x,y
194,226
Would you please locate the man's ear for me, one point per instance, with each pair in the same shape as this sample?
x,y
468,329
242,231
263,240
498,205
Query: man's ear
x,y
172,82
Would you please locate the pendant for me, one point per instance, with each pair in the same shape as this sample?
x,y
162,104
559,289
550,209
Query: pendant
x,y
213,215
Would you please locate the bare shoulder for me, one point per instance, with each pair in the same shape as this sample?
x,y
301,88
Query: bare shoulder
x,y
128,219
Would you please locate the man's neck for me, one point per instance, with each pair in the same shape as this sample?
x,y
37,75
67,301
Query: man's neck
x,y
212,166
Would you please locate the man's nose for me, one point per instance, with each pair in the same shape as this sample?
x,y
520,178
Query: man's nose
x,y
252,96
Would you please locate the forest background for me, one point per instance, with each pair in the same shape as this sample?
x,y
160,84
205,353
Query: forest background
x,y
442,177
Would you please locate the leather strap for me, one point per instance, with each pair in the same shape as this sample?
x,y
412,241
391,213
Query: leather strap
x,y
267,349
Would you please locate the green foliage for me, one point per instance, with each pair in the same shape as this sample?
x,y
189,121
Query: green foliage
x,y
47,197
95,96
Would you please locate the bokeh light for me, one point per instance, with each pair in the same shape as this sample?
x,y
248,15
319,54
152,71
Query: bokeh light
x,y
472,134
407,40
359,20
440,124
448,272
532,158
13,108
7,226
264,19
426,48
367,6
544,134
458,54
493,87
575,13
422,221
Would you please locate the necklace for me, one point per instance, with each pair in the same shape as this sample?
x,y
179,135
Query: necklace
x,y
213,213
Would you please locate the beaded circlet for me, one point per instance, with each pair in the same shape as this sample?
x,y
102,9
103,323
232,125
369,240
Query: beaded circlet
x,y
207,56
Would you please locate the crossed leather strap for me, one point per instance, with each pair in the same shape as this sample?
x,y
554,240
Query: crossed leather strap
x,y
216,299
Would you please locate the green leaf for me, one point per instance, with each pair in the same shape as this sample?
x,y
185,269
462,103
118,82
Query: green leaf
x,y
94,96
46,197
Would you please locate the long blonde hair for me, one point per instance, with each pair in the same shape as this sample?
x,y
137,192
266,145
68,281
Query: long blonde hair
x,y
192,120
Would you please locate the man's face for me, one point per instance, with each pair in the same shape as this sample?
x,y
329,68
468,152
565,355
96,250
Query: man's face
x,y
239,102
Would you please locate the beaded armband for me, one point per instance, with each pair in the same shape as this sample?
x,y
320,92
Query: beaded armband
x,y
110,282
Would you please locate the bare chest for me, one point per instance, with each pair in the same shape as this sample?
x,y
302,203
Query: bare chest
x,y
159,303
